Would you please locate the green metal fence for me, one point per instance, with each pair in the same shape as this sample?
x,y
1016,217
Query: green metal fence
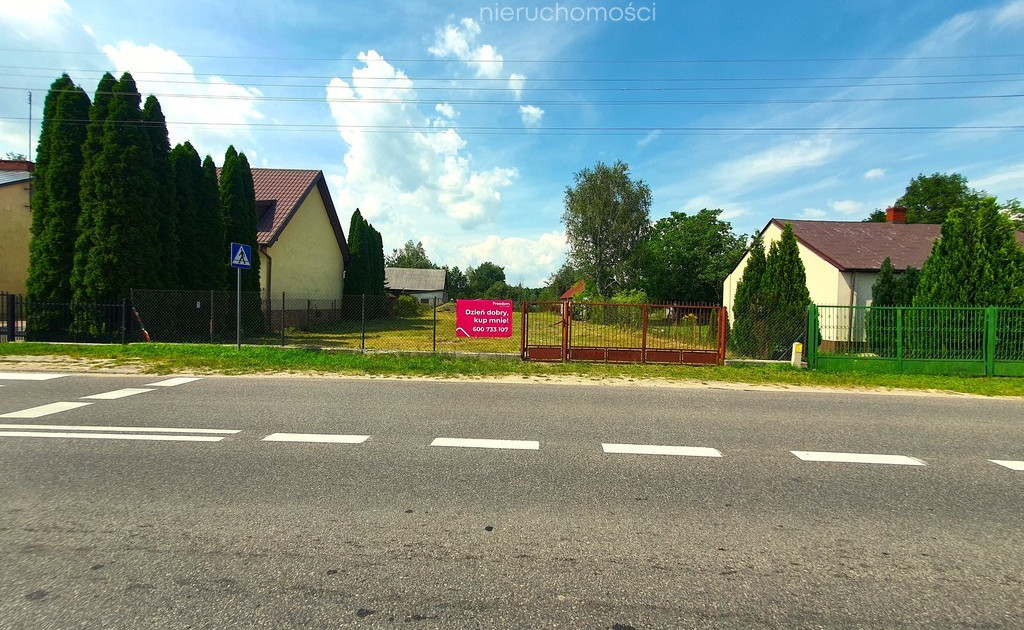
x,y
982,341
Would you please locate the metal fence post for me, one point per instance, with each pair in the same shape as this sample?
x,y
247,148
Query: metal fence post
x,y
282,317
643,334
362,326
435,324
899,339
124,320
812,336
991,325
12,318
211,315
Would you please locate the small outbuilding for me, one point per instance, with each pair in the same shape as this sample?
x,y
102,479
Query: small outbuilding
x,y
426,285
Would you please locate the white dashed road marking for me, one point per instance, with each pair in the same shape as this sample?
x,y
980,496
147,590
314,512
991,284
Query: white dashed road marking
x,y
1012,465
172,382
114,436
520,445
857,458
55,427
655,449
45,410
118,393
316,438
29,376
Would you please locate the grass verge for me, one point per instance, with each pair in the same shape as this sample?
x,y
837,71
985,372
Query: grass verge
x,y
168,358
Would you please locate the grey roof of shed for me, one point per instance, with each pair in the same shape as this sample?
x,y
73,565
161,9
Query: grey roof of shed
x,y
13,177
415,280
856,246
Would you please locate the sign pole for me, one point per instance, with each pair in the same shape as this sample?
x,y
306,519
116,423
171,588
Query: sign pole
x,y
238,312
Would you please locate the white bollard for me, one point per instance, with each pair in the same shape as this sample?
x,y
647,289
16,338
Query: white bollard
x,y
797,355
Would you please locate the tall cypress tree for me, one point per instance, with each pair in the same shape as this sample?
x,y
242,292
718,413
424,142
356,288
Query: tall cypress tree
x,y
167,208
784,294
187,172
56,204
238,213
209,249
747,308
377,262
92,184
116,252
357,271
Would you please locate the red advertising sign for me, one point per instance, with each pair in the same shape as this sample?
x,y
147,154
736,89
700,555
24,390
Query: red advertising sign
x,y
483,318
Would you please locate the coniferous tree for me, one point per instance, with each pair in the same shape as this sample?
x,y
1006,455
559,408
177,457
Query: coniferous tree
x,y
91,184
784,294
166,255
56,204
747,307
976,261
187,171
357,271
238,212
890,289
209,249
377,279
119,227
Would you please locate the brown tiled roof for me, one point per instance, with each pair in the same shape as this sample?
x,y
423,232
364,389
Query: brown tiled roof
x,y
855,246
287,189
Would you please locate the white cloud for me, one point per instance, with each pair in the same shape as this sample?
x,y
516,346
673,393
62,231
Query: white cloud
x,y
399,171
209,112
459,41
649,138
778,160
813,213
446,110
875,173
1010,15
1011,175
516,83
531,115
38,20
848,206
524,259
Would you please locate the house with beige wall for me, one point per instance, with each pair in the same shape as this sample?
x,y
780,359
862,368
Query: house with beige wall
x,y
302,248
15,224
842,259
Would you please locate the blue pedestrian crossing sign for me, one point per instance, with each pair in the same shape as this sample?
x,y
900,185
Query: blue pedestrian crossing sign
x,y
241,256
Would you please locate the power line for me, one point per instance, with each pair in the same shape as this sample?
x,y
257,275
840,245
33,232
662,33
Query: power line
x,y
582,130
557,103
694,61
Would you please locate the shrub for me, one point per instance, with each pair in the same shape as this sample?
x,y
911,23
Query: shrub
x,y
407,306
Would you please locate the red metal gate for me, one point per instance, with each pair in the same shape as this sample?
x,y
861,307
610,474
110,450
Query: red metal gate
x,y
623,333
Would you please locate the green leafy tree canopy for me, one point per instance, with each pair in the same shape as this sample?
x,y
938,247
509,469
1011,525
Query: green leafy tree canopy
x,y
410,256
607,219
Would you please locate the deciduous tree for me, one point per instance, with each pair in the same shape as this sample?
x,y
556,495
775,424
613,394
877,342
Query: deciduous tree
x,y
607,218
687,257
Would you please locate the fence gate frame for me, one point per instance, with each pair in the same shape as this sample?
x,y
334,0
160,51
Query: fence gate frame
x,y
644,352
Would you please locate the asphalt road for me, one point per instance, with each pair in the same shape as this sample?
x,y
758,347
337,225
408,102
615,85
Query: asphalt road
x,y
394,532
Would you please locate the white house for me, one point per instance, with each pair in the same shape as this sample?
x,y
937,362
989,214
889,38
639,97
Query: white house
x,y
842,258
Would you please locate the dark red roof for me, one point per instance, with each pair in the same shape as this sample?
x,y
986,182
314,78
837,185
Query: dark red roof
x,y
856,246
279,194
574,290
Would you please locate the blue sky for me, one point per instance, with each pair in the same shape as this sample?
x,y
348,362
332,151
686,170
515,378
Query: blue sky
x,y
459,124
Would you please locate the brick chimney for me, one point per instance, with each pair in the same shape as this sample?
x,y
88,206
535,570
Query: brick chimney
x,y
896,215
17,165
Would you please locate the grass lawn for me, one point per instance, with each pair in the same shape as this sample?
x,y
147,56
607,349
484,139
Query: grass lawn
x,y
212,359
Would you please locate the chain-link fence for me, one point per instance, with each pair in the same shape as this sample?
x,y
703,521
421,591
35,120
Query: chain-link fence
x,y
63,322
356,322
768,334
